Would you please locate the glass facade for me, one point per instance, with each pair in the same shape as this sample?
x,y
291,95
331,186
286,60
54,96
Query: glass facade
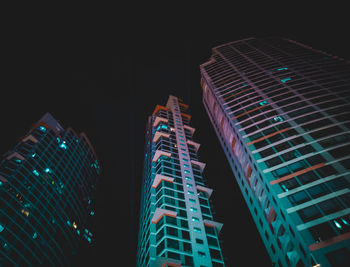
x,y
281,111
47,186
176,223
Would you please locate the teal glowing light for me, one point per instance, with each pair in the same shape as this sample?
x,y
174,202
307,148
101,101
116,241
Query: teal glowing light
x,y
18,160
42,128
0,183
63,145
344,221
263,103
33,155
285,80
68,222
282,69
78,232
47,170
186,166
35,235
92,213
1,228
278,118
36,172
337,224
58,140
89,201
88,239
285,188
186,171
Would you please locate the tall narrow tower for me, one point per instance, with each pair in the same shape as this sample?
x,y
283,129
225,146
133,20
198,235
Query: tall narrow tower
x,y
47,184
281,111
176,223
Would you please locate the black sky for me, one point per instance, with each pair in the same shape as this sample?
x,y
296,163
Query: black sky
x,y
102,71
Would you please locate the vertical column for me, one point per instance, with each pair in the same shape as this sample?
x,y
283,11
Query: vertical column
x,y
195,219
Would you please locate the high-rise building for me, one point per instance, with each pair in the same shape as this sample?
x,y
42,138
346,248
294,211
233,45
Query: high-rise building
x,y
176,223
46,193
281,111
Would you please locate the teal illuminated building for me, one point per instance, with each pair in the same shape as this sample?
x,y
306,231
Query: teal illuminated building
x,y
47,184
176,227
281,112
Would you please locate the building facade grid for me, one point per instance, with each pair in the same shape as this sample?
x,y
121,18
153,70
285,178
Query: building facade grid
x,y
281,112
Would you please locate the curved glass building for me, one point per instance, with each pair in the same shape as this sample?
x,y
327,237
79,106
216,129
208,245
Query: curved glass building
x,y
46,195
281,111
176,222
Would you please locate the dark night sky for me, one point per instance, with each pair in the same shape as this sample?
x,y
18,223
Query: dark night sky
x,y
103,73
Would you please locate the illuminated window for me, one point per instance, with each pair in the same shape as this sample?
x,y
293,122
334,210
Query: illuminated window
x,y
186,160
186,166
186,171
1,228
192,200
63,145
190,192
195,219
35,235
193,209
188,178
36,172
42,128
189,185
197,230
337,224
285,80
47,170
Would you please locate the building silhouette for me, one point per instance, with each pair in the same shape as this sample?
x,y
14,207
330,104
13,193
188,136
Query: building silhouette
x,y
47,183
176,223
281,111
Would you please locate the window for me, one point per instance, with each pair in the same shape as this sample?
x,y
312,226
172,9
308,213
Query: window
x,y
196,229
201,254
160,247
185,235
173,255
339,257
195,219
172,243
213,241
298,198
199,241
309,214
187,247
171,231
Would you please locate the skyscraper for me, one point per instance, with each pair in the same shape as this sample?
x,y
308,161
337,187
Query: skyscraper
x,y
46,183
176,223
281,111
